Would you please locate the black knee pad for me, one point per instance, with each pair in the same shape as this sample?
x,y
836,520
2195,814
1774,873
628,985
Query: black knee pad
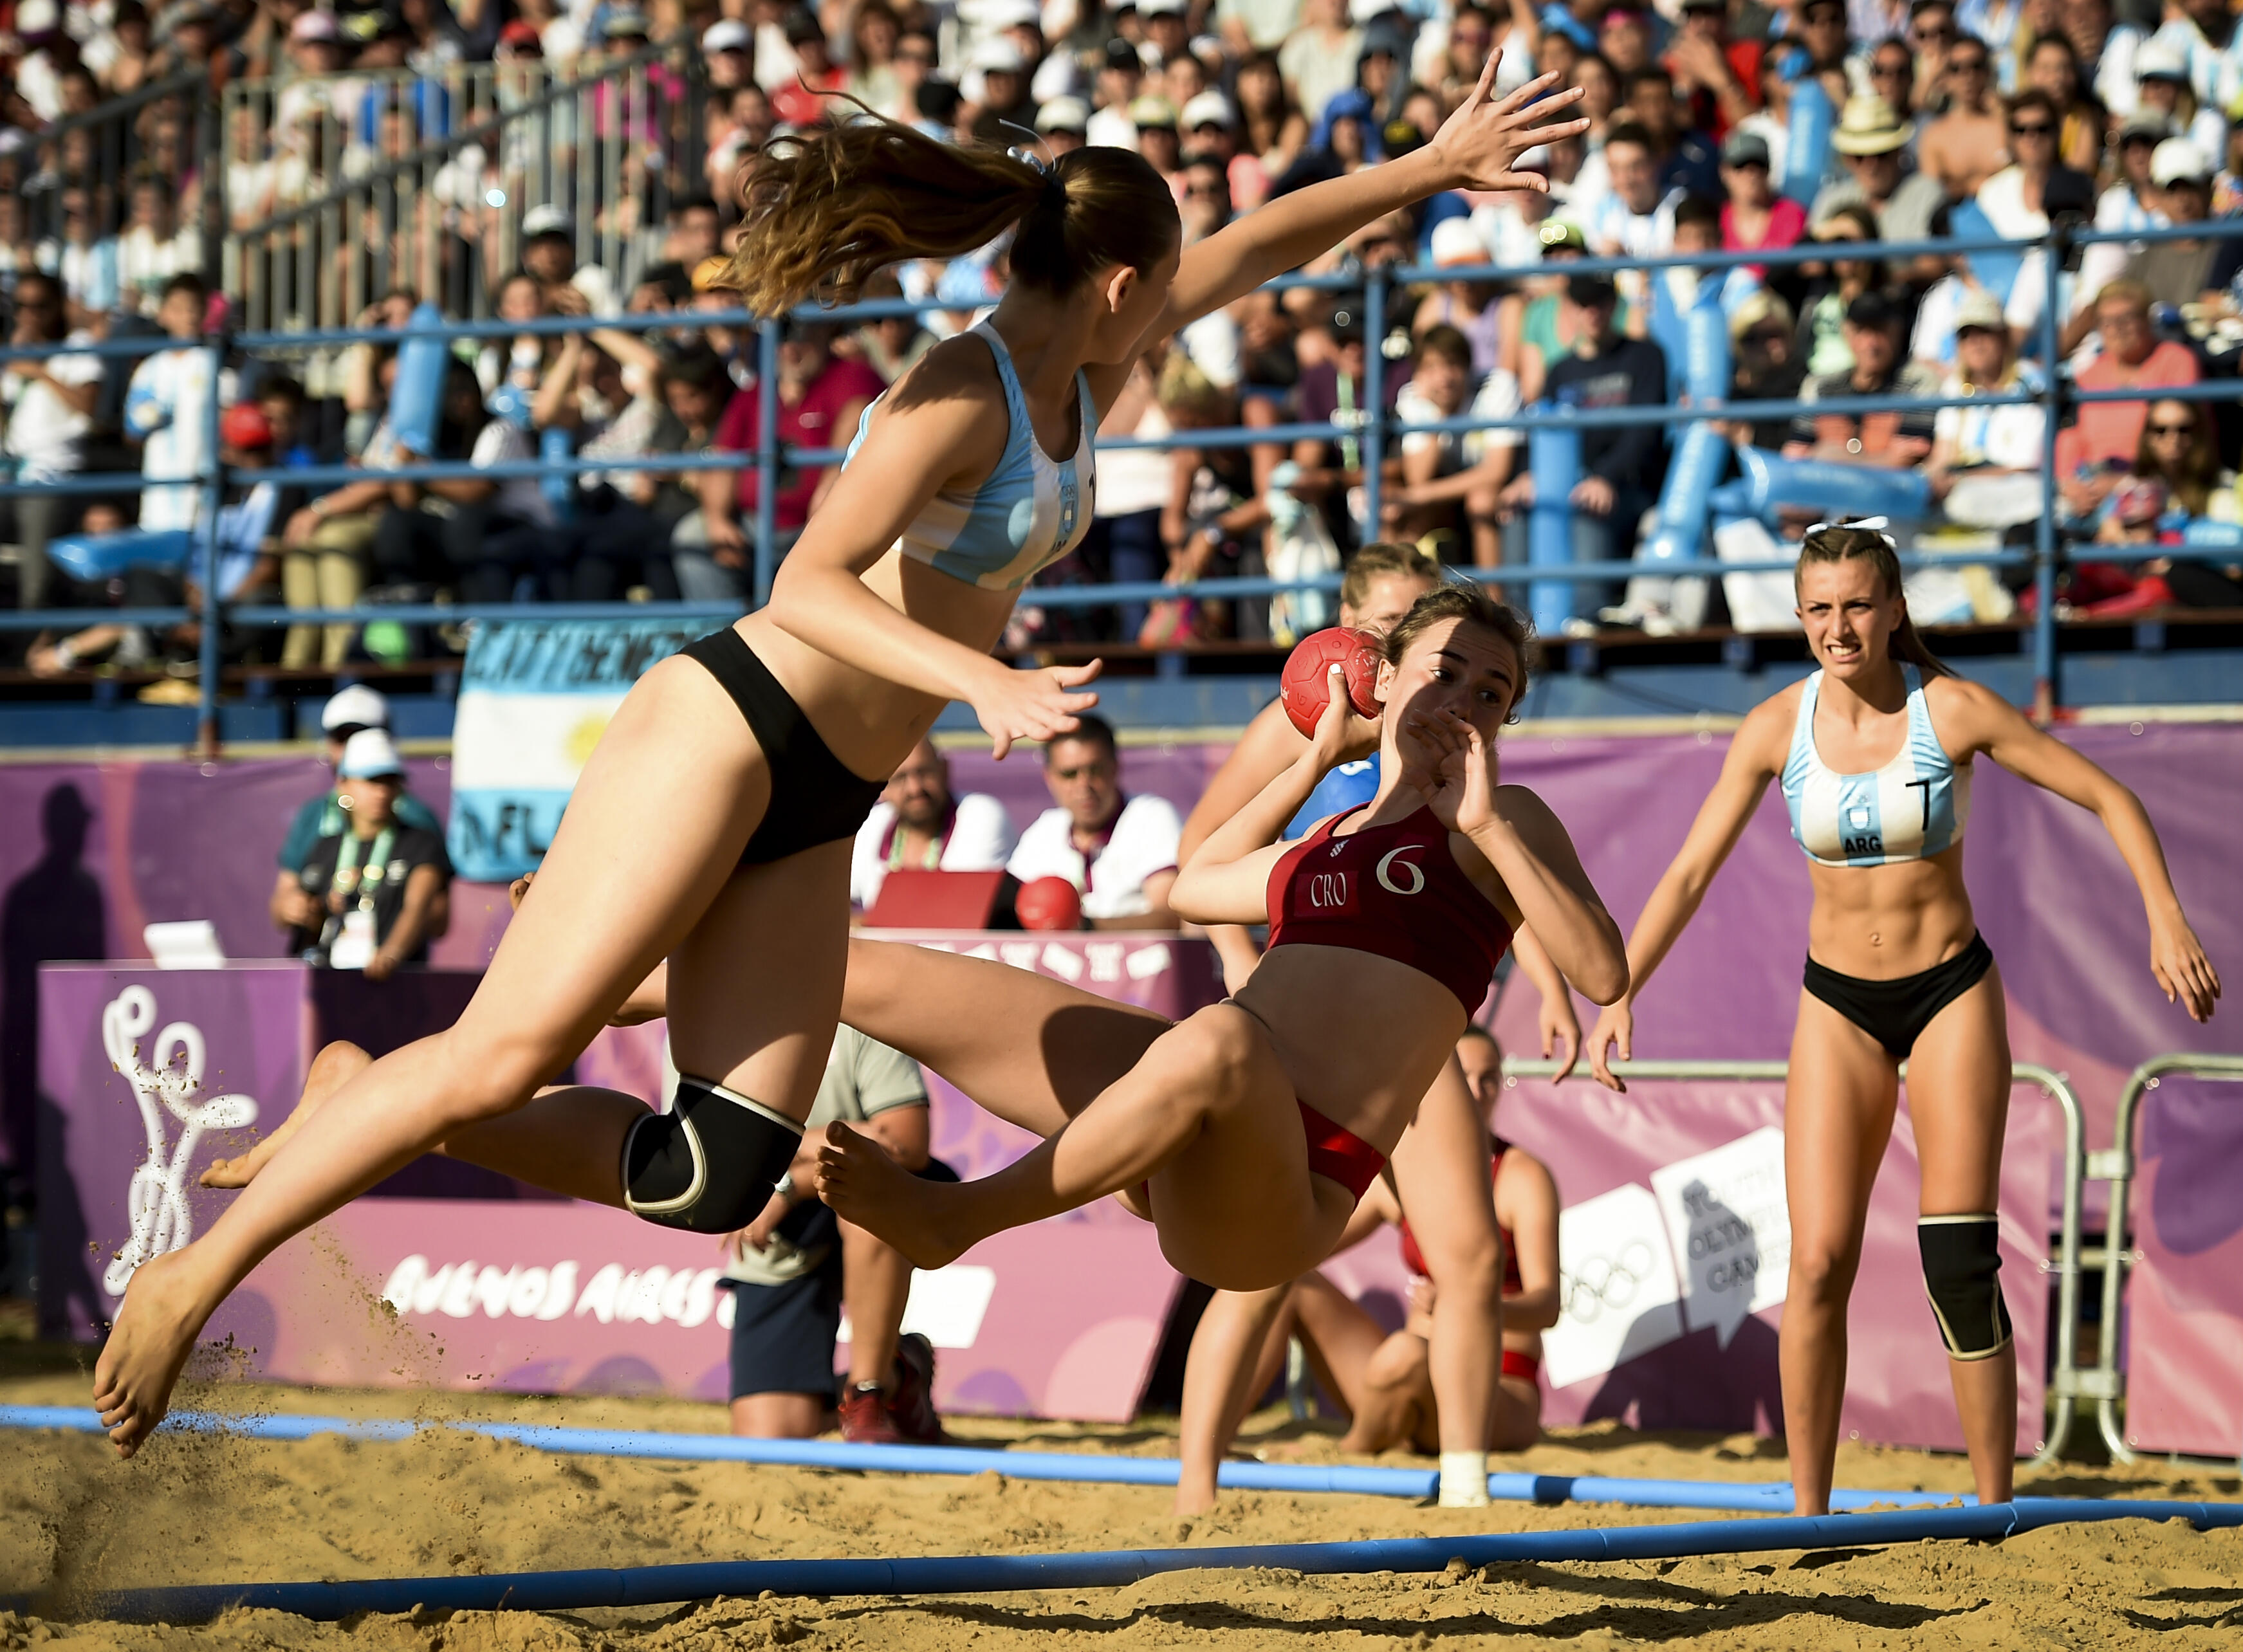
x,y
1962,1258
708,1164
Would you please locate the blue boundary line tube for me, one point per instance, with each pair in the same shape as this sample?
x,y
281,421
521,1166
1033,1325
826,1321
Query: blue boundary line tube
x,y
991,1574
1080,1467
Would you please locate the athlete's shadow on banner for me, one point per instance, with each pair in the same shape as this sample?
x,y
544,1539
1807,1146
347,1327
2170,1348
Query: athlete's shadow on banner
x,y
1694,1380
53,912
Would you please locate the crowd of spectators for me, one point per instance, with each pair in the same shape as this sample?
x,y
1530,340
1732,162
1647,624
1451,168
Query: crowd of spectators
x,y
1947,125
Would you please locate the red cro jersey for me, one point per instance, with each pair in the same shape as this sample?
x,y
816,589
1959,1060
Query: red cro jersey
x,y
1394,891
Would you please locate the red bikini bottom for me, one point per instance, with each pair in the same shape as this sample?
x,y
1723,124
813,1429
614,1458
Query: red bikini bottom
x,y
1523,1366
1340,1154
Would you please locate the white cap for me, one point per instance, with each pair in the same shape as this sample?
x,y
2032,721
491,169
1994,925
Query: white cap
x,y
2179,161
369,755
2160,60
726,34
356,707
1364,11
1063,115
1011,13
546,220
37,17
1160,7
1980,309
999,56
1208,109
1455,241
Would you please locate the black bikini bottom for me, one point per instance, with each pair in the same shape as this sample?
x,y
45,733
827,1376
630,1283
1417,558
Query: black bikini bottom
x,y
1895,1013
815,797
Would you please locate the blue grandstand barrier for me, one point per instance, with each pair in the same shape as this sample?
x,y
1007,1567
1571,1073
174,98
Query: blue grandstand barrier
x,y
1369,428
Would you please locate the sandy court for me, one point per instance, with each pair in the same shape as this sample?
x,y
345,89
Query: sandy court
x,y
226,1508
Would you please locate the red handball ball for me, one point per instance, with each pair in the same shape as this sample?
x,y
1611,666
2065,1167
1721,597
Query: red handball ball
x,y
1048,904
1305,687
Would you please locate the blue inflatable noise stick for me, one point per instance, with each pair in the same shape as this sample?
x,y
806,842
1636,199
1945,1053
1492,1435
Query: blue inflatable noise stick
x,y
1554,453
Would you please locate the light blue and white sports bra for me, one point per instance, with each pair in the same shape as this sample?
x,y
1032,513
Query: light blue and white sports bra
x,y
1030,512
1911,808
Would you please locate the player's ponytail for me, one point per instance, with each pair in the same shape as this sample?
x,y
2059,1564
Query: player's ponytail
x,y
1843,541
825,209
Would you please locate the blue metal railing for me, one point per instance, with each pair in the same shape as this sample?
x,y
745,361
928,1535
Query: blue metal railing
x,y
1369,426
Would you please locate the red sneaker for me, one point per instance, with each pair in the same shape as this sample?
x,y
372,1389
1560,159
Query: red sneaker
x,y
913,1407
865,1418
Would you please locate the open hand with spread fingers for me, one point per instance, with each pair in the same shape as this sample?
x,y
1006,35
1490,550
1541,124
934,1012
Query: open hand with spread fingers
x,y
1481,142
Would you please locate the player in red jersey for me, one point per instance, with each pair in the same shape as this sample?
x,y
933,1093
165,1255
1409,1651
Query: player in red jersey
x,y
1255,1124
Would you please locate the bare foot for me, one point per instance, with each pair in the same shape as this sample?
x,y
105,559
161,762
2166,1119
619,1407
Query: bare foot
x,y
1193,1500
864,1185
334,1066
155,1332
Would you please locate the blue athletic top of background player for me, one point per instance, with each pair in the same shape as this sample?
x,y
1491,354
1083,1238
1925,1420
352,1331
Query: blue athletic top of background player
x,y
1348,786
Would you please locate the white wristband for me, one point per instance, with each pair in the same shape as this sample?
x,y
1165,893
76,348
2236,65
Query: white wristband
x,y
1464,1480
784,1186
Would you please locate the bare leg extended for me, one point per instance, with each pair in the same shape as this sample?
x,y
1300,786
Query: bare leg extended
x,y
1031,1049
1210,1113
1220,1386
335,1065
637,861
1839,1100
1958,1100
1441,1174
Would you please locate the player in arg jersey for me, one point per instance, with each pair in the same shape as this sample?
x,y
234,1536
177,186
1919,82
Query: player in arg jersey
x,y
733,779
1249,1130
1874,753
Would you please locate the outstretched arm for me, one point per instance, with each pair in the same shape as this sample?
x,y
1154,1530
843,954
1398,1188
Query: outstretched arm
x,y
1983,721
1227,880
1755,758
1475,149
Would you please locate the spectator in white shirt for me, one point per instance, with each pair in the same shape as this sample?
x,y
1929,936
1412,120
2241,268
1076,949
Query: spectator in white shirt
x,y
167,409
1119,850
920,824
50,408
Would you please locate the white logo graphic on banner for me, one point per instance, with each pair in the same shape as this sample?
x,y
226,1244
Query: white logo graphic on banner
x,y
158,1199
947,1305
1616,1288
1729,1226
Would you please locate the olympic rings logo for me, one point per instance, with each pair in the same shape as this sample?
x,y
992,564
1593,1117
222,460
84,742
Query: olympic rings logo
x,y
1602,1282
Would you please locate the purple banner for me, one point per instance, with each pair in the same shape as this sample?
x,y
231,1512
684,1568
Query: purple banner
x,y
158,1072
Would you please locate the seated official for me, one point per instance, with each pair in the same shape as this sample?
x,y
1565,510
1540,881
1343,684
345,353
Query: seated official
x,y
347,712
373,897
920,824
1120,852
791,1270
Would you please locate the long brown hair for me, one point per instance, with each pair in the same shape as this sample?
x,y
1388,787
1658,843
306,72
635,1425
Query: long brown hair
x,y
825,209
1842,542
